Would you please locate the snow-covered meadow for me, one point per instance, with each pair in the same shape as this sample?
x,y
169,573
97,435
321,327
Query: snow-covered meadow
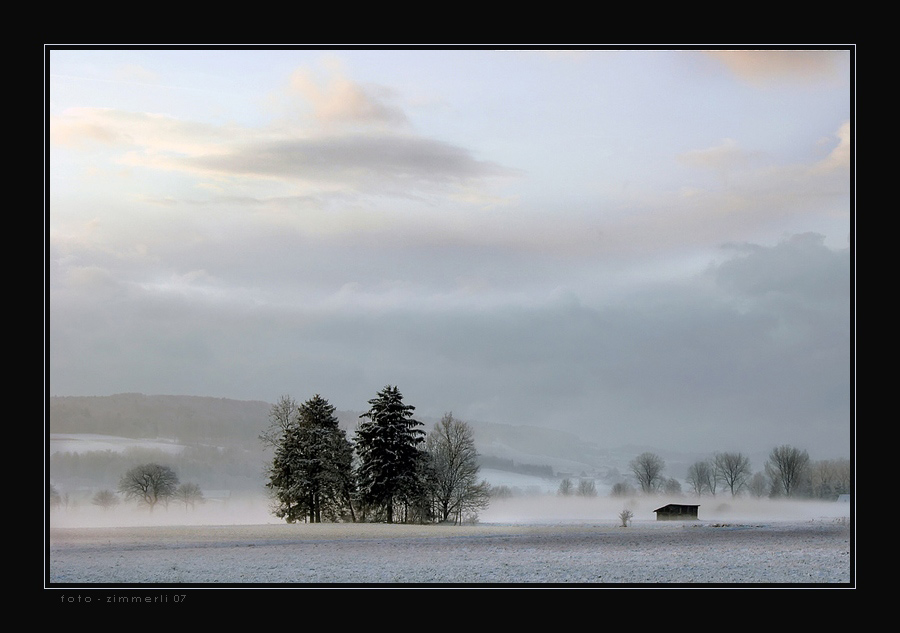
x,y
541,538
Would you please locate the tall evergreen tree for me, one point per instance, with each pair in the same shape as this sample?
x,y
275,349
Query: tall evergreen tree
x,y
311,473
390,457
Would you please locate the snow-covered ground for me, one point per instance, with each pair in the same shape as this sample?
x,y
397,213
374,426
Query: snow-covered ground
x,y
87,442
539,539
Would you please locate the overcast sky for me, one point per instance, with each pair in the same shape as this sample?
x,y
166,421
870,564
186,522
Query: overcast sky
x,y
639,246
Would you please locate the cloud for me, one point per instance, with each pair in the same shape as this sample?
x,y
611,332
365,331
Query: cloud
x,y
755,350
765,67
839,157
340,248
150,134
338,100
362,159
799,267
724,157
394,161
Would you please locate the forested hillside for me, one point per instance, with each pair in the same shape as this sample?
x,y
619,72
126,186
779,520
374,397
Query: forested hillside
x,y
187,419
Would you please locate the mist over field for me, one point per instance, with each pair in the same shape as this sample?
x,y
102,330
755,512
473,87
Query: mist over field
x,y
528,509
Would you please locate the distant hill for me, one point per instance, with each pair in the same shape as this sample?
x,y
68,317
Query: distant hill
x,y
187,419
235,425
224,422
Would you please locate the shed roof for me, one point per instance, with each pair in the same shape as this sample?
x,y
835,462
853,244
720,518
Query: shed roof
x,y
671,506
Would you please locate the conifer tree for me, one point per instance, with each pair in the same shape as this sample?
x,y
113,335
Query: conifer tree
x,y
390,458
311,473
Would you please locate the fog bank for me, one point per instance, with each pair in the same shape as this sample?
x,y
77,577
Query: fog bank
x,y
533,509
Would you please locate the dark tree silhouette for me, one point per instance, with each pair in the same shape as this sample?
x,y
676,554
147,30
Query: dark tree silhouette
x,y
647,469
390,459
733,469
311,475
786,467
149,484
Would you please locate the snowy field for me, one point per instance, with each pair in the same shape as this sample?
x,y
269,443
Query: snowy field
x,y
543,539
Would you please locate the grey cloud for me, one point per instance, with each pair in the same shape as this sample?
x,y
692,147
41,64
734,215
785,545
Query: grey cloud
x,y
679,365
801,265
368,158
754,353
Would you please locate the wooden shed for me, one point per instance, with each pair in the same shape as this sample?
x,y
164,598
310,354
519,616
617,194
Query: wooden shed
x,y
676,512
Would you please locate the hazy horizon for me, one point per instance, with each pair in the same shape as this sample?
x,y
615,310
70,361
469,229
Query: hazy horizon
x,y
532,509
636,246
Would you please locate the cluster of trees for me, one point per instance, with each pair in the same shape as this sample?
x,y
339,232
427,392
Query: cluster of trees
x,y
509,465
788,472
148,484
647,469
391,471
585,488
152,484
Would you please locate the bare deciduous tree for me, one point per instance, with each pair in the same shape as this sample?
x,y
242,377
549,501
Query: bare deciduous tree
x,y
758,485
647,469
282,416
454,463
625,517
106,499
702,478
733,470
830,478
55,497
149,484
672,486
786,467
189,494
622,489
565,487
587,488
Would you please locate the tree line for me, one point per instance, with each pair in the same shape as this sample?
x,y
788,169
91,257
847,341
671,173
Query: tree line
x,y
149,484
226,467
788,472
391,470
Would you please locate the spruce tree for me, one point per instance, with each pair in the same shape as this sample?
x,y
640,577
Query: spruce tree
x,y
390,457
311,473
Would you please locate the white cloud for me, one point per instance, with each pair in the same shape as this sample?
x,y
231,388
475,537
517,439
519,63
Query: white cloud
x,y
839,157
338,100
388,162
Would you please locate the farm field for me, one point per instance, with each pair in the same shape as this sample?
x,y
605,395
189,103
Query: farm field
x,y
808,545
